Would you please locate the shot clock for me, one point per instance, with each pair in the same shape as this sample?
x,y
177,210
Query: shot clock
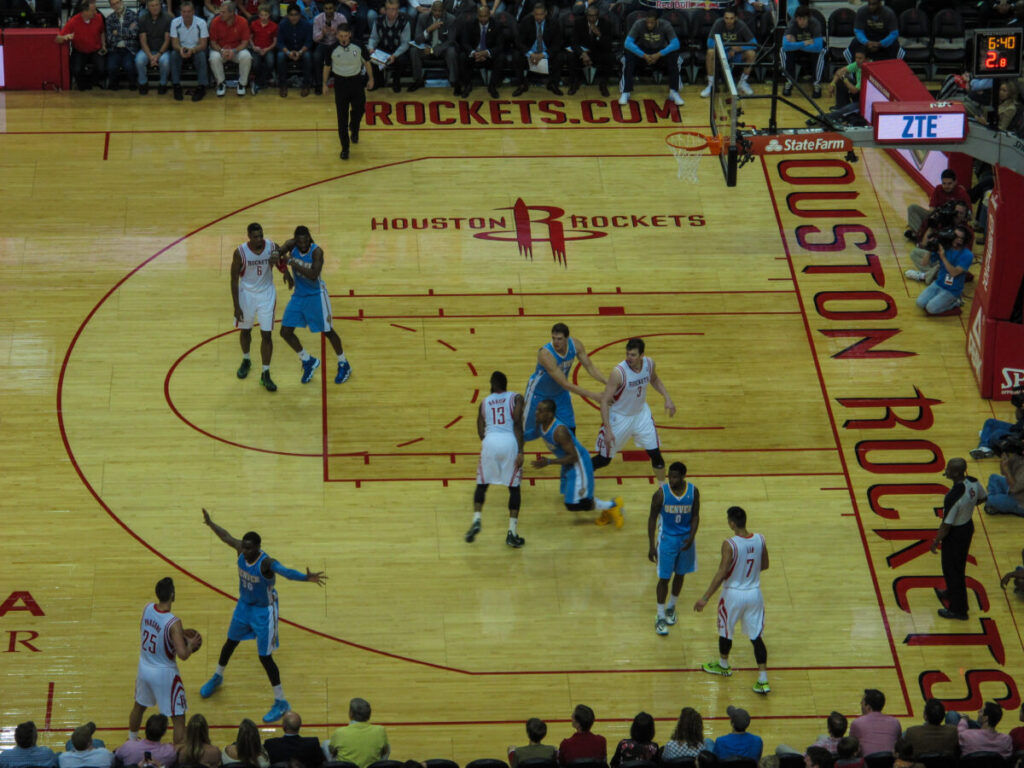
x,y
997,52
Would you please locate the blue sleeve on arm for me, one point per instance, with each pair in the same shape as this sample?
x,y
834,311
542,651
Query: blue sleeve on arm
x,y
861,37
288,573
791,45
889,39
819,44
673,46
631,46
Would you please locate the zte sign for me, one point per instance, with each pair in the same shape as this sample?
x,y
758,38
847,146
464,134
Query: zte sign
x,y
915,123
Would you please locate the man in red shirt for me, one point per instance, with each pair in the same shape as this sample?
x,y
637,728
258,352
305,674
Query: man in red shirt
x,y
917,216
85,31
229,41
583,743
263,33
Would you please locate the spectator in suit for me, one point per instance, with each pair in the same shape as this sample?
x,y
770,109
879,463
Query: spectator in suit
x,y
654,42
461,8
541,41
154,46
984,738
640,745
84,754
26,752
360,742
197,749
304,748
582,743
739,743
592,47
263,34
132,751
391,35
934,736
325,37
435,38
875,27
294,43
229,39
536,730
122,27
481,46
86,32
875,732
189,40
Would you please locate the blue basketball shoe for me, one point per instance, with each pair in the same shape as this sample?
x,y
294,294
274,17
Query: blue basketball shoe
x,y
308,367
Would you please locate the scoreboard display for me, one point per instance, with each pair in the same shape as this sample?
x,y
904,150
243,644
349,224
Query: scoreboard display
x,y
997,52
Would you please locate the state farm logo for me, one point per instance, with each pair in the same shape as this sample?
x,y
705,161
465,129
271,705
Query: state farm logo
x,y
773,146
530,225
1013,380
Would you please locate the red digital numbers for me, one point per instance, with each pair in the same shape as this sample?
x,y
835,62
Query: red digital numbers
x,y
994,61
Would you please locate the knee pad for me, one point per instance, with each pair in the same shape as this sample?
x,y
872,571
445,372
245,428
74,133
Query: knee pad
x,y
656,461
514,497
760,652
479,494
600,461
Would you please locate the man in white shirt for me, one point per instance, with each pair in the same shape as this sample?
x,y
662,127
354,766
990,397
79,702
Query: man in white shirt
x,y
189,39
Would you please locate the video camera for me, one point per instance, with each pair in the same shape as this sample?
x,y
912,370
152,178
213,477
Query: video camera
x,y
943,217
1012,443
944,237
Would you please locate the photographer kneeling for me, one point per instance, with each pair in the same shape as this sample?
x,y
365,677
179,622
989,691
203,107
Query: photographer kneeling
x,y
946,217
1006,491
944,294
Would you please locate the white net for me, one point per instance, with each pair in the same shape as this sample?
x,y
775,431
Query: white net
x,y
688,149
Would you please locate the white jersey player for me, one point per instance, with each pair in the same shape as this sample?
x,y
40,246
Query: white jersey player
x,y
255,297
161,642
625,413
744,556
499,423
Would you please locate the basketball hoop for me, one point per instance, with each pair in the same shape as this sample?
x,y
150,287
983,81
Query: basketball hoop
x,y
688,147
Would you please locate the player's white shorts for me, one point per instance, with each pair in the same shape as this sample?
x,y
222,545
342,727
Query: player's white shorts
x,y
498,461
161,687
257,307
640,427
746,605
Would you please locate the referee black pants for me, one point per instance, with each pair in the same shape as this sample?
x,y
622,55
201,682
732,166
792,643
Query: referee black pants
x,y
955,547
350,104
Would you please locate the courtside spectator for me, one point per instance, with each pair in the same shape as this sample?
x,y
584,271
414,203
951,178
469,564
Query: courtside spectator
x,y
917,216
122,27
835,727
154,46
536,730
688,738
391,36
134,750
818,757
905,755
247,748
983,738
85,32
325,38
229,39
294,43
739,743
582,743
875,732
1017,734
263,33
875,27
197,749
84,754
848,753
934,736
190,39
306,749
360,742
640,745
26,753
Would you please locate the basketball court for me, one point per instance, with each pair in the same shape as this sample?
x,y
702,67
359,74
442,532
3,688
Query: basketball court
x,y
451,248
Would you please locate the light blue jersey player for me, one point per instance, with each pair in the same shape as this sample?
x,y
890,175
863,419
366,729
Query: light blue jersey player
x,y
577,476
255,616
550,380
675,516
310,305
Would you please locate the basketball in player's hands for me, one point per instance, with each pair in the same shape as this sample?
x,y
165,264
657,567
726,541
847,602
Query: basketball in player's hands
x,y
194,639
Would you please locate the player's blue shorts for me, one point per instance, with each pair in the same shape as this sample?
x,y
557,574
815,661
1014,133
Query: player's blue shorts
x,y
255,622
577,482
313,312
563,410
672,558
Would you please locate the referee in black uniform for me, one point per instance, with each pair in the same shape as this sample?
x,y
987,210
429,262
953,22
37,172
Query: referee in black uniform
x,y
348,66
955,534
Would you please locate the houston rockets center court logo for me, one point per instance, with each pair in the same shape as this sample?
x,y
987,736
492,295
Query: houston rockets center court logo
x,y
530,225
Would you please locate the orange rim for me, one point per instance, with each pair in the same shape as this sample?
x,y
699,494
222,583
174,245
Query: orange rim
x,y
685,141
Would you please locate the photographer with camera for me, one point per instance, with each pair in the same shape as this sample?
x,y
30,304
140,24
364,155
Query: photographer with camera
x,y
1006,490
944,294
994,430
946,217
917,216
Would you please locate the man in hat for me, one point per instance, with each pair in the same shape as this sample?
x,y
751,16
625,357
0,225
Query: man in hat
x,y
739,743
83,753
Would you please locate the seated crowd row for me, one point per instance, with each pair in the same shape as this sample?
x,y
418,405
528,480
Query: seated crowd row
x,y
360,744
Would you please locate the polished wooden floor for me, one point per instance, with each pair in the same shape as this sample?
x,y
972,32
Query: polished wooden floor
x,y
123,417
